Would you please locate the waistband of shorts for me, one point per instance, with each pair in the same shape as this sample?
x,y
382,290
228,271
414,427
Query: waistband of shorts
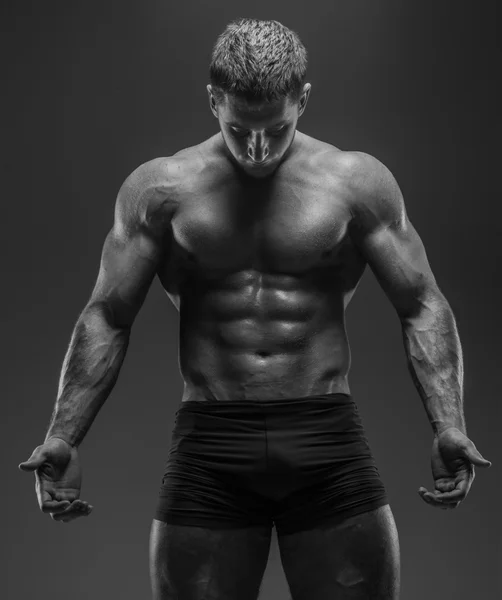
x,y
318,400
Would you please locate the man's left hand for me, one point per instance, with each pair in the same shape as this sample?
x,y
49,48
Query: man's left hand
x,y
453,458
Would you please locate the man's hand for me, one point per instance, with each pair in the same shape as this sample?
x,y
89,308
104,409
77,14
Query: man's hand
x,y
453,458
58,478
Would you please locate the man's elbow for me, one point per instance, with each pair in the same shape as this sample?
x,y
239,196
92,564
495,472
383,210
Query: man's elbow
x,y
421,310
102,315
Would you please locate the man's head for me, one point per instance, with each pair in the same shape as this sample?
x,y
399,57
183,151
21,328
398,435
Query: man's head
x,y
258,91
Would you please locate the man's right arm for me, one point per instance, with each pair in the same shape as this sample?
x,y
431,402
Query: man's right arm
x,y
131,254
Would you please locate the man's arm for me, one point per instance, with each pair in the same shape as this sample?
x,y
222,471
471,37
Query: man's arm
x,y
131,254
390,244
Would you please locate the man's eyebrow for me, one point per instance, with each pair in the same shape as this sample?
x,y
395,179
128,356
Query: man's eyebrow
x,y
278,124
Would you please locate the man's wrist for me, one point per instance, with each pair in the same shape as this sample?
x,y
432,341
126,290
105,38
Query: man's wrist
x,y
60,437
440,428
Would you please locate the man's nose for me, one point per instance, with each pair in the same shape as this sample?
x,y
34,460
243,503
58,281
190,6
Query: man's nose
x,y
257,147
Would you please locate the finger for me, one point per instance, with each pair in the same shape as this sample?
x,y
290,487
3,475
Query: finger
x,y
445,486
456,495
443,505
49,501
475,456
435,501
36,460
77,505
54,506
71,516
66,519
73,513
448,497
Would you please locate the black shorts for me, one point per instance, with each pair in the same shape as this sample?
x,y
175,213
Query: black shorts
x,y
296,464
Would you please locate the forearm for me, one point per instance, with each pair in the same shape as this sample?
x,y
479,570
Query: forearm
x,y
435,361
90,370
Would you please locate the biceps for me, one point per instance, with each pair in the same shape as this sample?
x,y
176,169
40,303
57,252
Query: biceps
x,y
398,258
127,268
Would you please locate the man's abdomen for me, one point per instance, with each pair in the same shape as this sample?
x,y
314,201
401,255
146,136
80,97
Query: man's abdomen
x,y
248,356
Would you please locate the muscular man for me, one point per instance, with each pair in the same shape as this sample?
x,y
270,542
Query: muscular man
x,y
260,235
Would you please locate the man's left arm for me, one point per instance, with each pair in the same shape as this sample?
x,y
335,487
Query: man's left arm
x,y
389,243
385,237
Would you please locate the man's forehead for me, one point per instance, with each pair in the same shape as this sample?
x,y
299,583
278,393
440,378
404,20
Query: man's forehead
x,y
242,108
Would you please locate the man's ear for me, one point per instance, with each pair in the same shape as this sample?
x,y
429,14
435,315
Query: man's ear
x,y
212,101
304,98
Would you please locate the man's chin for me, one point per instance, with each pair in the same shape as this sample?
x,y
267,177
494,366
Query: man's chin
x,y
259,171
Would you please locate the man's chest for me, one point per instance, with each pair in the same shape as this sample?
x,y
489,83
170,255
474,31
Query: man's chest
x,y
288,228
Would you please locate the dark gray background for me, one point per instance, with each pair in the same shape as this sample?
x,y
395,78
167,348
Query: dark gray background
x,y
92,90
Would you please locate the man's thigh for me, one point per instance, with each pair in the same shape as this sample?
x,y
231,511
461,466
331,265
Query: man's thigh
x,y
196,563
356,559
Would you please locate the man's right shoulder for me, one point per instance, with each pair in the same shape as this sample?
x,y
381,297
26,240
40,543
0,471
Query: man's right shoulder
x,y
154,191
149,196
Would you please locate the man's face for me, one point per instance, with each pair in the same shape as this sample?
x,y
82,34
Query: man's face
x,y
258,134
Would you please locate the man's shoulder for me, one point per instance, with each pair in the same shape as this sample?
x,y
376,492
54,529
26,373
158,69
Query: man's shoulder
x,y
355,168
153,191
369,185
147,199
159,177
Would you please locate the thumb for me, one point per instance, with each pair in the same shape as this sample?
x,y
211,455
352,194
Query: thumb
x,y
475,457
36,460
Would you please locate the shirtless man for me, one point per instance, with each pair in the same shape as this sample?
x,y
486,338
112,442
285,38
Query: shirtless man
x,y
260,236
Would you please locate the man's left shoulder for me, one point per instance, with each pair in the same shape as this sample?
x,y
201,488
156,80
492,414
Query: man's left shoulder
x,y
369,184
359,169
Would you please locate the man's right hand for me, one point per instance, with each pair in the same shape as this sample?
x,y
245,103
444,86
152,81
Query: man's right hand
x,y
58,477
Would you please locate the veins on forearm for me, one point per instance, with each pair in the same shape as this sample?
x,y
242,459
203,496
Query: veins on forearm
x,y
435,362
90,369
